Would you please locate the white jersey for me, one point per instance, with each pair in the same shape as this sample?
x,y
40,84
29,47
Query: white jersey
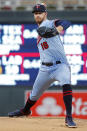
x,y
51,49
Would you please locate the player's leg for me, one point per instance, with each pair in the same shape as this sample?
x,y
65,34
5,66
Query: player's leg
x,y
67,97
42,82
63,74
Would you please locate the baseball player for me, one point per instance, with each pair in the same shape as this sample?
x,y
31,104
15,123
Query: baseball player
x,y
54,65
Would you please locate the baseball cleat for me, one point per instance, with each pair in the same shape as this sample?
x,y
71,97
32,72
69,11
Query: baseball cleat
x,y
69,122
19,113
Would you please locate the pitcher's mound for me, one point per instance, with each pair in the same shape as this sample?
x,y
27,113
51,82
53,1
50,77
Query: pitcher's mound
x,y
39,124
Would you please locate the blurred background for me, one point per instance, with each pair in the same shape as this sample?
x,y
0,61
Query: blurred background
x,y
19,56
51,4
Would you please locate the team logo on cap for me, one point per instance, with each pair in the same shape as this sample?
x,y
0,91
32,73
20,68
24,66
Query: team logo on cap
x,y
38,6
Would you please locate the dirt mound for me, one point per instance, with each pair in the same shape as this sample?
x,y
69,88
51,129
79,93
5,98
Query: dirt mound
x,y
39,124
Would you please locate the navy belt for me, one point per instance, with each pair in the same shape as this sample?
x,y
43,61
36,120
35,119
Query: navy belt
x,y
50,64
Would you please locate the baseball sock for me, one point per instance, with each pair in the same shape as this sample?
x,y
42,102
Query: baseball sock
x,y
67,97
28,105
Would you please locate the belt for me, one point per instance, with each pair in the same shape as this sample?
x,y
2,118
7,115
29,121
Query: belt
x,y
50,64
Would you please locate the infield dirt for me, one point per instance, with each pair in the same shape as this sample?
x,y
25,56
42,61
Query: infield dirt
x,y
39,124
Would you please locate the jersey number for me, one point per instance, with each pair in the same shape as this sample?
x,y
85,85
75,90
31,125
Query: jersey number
x,y
44,45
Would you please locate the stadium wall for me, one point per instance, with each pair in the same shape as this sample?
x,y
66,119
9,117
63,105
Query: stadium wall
x,y
27,16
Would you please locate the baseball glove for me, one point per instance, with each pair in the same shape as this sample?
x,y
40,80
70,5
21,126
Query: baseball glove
x,y
47,32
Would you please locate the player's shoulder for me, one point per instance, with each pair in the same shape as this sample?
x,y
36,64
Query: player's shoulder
x,y
47,23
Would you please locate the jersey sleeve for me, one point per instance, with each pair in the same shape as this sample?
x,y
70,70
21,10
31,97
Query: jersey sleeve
x,y
63,23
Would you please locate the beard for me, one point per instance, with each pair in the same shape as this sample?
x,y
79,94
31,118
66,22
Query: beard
x,y
39,21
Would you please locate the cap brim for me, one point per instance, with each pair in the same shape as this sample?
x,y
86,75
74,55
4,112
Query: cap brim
x,y
38,11
32,11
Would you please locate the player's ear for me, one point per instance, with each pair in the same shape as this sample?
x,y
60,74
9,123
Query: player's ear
x,y
46,14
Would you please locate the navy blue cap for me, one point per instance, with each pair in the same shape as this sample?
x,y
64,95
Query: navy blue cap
x,y
39,8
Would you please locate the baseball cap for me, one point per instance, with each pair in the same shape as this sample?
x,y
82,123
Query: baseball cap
x,y
39,8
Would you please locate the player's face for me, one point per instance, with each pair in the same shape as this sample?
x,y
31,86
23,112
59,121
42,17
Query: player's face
x,y
39,17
